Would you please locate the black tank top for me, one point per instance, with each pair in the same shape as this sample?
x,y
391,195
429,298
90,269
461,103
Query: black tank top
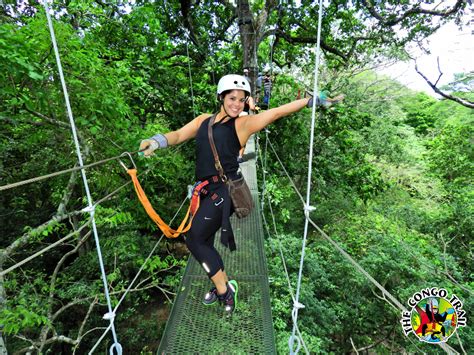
x,y
227,145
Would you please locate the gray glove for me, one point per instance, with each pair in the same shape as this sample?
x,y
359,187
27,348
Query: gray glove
x,y
148,146
323,100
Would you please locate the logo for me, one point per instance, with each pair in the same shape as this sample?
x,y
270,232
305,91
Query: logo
x,y
434,317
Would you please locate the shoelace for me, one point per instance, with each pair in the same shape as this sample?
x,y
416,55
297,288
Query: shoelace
x,y
211,293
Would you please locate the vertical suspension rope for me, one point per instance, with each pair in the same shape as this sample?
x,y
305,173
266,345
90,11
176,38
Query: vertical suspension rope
x,y
91,209
190,76
271,71
307,208
264,175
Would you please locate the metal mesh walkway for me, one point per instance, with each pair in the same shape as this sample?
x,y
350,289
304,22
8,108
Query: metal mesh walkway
x,y
198,329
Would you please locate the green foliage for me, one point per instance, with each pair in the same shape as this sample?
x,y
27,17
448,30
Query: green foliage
x,y
451,154
451,158
392,179
418,112
114,91
26,311
19,318
382,193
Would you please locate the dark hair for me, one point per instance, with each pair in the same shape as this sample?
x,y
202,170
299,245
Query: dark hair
x,y
226,92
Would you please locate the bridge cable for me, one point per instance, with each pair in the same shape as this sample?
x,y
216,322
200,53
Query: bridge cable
x,y
110,315
307,208
278,239
395,303
135,278
70,170
70,214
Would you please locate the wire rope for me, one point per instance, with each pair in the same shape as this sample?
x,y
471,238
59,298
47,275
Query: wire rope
x,y
190,77
134,279
307,208
116,345
57,173
394,301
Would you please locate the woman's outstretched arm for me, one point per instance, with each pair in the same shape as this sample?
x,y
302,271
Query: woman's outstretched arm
x,y
181,135
255,123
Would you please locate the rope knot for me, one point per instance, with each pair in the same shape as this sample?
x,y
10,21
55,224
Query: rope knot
x,y
298,305
89,209
109,316
308,209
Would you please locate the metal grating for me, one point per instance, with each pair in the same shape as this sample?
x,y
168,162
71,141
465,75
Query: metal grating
x,y
195,328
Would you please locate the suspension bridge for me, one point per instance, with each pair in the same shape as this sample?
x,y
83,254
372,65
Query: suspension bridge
x,y
195,328
202,329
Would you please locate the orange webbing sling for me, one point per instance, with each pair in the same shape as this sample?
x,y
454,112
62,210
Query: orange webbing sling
x,y
166,229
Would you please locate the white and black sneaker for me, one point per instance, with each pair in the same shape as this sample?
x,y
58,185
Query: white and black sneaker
x,y
229,299
210,297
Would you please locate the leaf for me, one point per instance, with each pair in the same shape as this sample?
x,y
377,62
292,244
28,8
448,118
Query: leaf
x,y
34,75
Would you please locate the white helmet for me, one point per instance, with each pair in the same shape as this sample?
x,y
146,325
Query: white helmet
x,y
233,82
434,303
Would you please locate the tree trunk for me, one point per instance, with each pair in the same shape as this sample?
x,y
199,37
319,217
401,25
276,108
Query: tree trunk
x,y
249,39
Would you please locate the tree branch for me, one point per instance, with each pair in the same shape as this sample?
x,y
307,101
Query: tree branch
x,y
445,259
261,20
313,40
224,28
459,100
47,119
57,338
365,348
188,21
416,10
84,321
86,333
39,344
353,346
25,238
52,287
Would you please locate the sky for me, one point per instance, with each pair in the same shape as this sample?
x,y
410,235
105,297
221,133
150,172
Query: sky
x,y
455,49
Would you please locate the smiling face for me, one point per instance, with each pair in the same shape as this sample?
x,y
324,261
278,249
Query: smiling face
x,y
234,102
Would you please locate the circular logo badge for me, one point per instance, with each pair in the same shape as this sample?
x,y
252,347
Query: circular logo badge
x,y
434,320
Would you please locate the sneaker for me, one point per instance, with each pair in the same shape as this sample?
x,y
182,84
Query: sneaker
x,y
240,160
210,297
230,298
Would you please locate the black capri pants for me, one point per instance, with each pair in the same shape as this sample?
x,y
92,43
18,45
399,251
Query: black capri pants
x,y
206,222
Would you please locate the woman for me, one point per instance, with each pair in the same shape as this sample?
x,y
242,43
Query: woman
x,y
230,132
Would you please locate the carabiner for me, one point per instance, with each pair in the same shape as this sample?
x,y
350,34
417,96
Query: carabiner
x,y
131,159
